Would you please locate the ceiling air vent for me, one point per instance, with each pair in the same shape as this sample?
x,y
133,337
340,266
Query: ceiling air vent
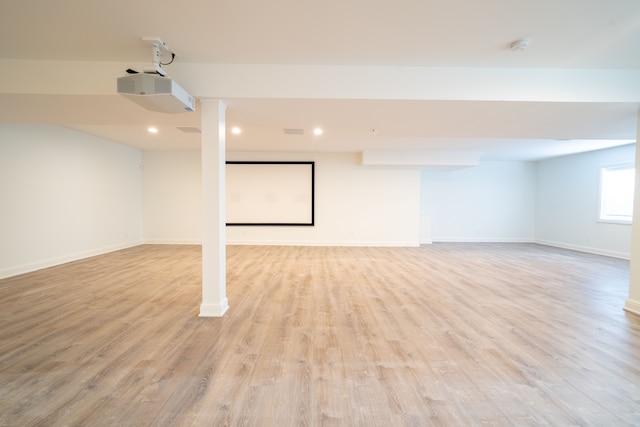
x,y
293,131
189,129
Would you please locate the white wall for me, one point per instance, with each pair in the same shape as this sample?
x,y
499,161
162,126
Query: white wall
x,y
567,203
65,196
354,205
494,201
633,302
172,197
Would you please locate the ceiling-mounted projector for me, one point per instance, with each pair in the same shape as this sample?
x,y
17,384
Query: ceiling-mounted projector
x,y
156,93
153,89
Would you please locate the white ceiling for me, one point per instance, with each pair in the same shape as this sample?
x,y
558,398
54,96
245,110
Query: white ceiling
x,y
566,34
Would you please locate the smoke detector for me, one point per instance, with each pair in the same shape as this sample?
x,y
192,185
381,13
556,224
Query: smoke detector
x,y
520,44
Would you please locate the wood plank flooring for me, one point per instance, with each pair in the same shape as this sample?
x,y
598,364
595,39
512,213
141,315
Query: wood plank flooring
x,y
444,335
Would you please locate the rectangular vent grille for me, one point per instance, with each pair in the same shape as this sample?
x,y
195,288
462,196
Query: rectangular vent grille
x,y
293,131
189,129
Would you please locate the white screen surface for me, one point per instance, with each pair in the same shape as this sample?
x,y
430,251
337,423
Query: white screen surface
x,y
269,193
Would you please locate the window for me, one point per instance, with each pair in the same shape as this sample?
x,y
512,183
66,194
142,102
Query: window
x,y
617,185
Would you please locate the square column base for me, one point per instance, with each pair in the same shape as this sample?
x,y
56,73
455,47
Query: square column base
x,y
214,310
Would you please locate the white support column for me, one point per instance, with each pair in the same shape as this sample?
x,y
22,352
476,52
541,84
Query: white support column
x,y
633,303
214,273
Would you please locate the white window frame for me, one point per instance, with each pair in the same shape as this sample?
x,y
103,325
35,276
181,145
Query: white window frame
x,y
604,216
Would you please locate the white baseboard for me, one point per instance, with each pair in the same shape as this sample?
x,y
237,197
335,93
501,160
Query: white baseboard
x,y
481,240
632,306
596,251
52,262
241,242
325,243
173,241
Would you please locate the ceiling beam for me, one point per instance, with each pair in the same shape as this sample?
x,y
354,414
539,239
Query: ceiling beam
x,y
336,82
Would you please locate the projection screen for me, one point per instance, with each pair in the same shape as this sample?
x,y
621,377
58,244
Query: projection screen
x,y
270,193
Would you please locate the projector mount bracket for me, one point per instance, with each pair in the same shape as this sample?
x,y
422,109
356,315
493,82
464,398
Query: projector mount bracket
x,y
158,48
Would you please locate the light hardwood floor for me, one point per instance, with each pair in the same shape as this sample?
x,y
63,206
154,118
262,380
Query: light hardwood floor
x,y
445,334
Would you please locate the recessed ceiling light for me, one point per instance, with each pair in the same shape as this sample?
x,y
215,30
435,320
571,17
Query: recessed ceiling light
x,y
236,130
317,131
153,129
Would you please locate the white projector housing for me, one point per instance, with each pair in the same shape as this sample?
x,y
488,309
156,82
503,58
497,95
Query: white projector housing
x,y
156,93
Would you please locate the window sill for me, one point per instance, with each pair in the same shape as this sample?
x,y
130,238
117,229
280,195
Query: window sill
x,y
615,221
